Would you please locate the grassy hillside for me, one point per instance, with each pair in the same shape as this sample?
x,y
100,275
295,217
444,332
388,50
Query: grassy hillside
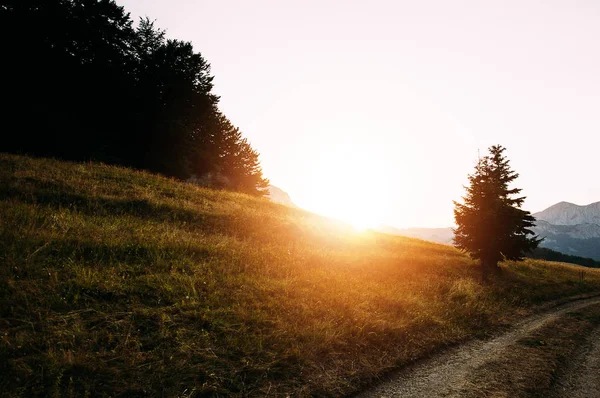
x,y
121,282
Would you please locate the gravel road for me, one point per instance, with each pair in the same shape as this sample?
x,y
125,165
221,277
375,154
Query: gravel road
x,y
446,375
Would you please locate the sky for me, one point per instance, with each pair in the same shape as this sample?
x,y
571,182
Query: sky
x,y
374,112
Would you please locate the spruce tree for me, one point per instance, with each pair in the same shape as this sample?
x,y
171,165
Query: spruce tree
x,y
491,226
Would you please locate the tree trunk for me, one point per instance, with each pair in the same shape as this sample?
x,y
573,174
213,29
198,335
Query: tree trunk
x,y
489,268
484,271
496,269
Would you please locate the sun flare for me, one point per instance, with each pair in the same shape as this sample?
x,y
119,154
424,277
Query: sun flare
x,y
362,224
359,214
349,185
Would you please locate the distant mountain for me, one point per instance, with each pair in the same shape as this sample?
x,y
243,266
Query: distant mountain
x,y
278,195
566,227
578,231
567,242
565,213
439,235
571,229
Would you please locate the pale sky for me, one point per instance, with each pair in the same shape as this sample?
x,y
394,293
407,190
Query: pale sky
x,y
374,111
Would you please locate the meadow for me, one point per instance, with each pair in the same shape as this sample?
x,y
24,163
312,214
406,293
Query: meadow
x,y
115,282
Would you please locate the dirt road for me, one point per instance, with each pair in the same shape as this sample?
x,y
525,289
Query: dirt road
x,y
447,375
581,379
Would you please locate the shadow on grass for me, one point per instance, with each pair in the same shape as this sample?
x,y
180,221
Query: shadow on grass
x,y
239,224
58,196
55,197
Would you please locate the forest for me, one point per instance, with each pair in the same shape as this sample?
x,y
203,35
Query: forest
x,y
83,82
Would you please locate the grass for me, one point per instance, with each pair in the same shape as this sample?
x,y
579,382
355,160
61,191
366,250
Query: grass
x,y
123,283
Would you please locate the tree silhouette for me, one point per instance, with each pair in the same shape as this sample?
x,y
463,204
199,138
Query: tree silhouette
x,y
491,226
81,83
68,76
174,101
240,163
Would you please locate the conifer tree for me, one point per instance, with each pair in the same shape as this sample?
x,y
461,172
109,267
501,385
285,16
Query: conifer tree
x,y
84,84
239,162
491,226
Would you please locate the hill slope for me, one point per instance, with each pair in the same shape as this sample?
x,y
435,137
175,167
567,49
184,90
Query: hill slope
x,y
120,282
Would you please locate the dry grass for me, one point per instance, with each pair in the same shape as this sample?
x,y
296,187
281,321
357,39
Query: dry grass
x,y
121,282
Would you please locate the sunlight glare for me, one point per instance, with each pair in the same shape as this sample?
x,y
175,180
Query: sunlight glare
x,y
350,184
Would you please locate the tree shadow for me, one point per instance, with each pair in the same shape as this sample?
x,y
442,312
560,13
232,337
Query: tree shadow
x,y
238,223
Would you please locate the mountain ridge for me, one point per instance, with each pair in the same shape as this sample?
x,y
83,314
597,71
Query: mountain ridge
x,y
557,224
566,213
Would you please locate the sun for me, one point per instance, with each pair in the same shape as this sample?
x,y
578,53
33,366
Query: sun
x,y
359,209
349,185
362,224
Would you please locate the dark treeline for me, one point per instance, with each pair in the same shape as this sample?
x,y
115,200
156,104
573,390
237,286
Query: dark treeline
x,y
80,82
543,253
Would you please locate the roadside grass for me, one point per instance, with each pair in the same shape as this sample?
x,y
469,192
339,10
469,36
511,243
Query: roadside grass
x,y
120,282
530,366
